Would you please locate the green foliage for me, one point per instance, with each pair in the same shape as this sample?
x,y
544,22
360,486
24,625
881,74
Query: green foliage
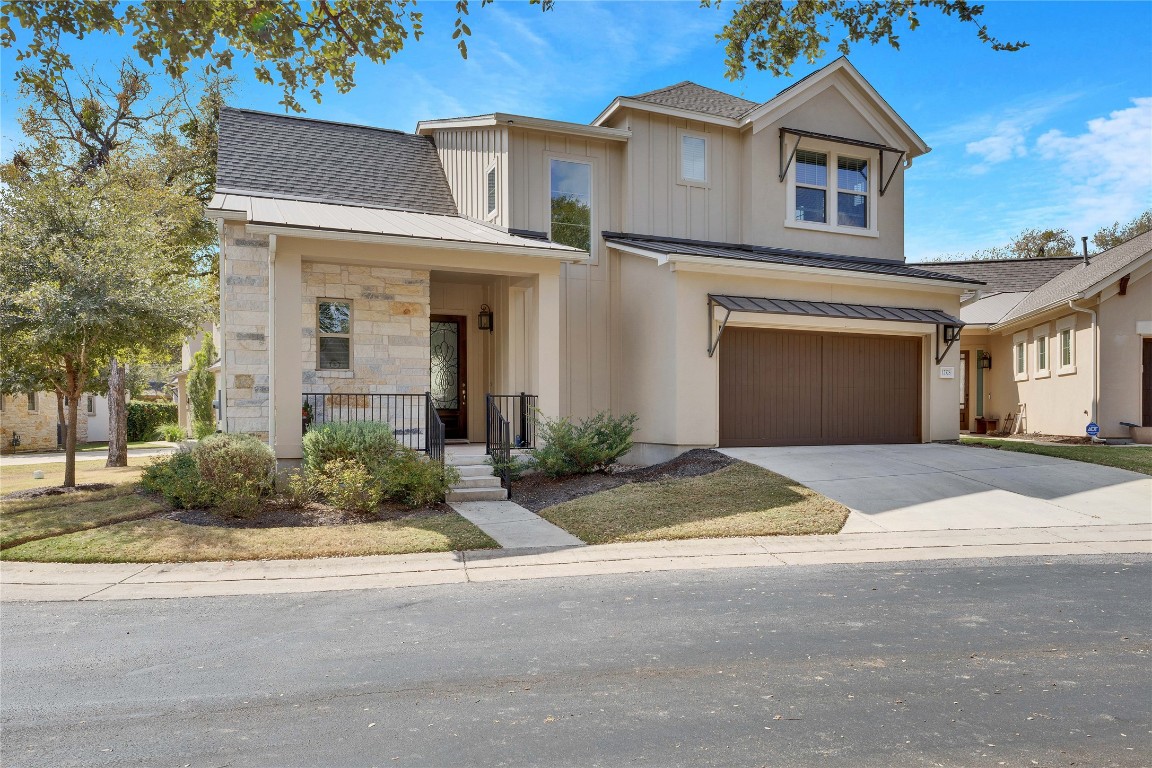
x,y
516,466
370,443
145,417
414,481
1110,237
1052,243
177,478
571,222
347,484
236,470
591,445
173,433
202,388
299,489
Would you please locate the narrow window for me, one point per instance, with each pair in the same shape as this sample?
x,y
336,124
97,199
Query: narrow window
x,y
811,186
1066,348
2,398
32,402
1020,358
492,190
91,405
1041,353
852,192
572,204
334,334
693,158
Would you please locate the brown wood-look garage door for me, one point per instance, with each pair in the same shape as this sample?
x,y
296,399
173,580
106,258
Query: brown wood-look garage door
x,y
802,388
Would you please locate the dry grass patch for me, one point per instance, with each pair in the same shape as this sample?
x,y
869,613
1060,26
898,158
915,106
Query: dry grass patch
x,y
27,520
1136,459
167,541
18,477
739,500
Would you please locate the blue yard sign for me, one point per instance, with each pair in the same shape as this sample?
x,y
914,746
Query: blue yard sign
x,y
1092,429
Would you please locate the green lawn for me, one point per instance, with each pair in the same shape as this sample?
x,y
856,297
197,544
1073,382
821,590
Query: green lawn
x,y
1137,459
739,500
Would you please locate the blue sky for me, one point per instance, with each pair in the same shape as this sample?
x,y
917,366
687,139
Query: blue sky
x,y
1056,135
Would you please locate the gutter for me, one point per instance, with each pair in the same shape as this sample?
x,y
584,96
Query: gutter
x,y
1095,361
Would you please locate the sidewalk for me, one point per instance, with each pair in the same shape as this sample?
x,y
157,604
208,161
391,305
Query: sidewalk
x,y
66,582
57,457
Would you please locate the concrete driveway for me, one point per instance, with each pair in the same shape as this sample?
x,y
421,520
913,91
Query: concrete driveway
x,y
938,487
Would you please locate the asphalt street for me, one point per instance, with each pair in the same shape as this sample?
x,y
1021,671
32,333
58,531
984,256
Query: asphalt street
x,y
1013,662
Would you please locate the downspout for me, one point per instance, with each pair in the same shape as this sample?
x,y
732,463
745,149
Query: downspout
x,y
1095,367
222,388
270,339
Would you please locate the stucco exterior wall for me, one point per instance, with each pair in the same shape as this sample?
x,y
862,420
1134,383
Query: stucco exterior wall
x,y
1125,321
36,429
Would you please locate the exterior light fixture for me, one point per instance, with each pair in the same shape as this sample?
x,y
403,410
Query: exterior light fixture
x,y
986,362
951,333
484,319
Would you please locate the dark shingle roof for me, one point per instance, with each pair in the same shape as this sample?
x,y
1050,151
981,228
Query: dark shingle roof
x,y
297,158
697,98
1006,275
671,245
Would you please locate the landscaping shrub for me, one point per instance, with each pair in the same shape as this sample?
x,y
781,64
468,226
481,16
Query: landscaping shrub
x,y
370,443
516,466
299,489
236,470
172,433
347,484
144,417
202,389
415,482
177,478
591,445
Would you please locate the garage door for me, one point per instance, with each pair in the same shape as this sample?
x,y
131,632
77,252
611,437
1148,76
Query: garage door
x,y
801,388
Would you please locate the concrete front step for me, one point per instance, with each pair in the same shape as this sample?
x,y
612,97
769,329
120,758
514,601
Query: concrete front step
x,y
477,482
474,470
477,494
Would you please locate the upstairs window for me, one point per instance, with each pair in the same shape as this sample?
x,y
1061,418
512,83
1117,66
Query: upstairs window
x,y
571,215
831,192
491,189
852,192
811,186
693,158
333,335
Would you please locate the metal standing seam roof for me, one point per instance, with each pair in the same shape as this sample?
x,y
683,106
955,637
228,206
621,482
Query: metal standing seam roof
x,y
764,254
375,221
833,309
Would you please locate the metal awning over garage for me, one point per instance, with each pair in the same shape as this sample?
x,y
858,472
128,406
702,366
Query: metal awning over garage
x,y
947,326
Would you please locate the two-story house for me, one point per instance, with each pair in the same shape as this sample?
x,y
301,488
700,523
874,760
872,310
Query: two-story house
x,y
732,272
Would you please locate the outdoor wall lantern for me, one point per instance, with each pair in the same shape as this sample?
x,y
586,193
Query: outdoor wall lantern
x,y
951,333
484,319
986,362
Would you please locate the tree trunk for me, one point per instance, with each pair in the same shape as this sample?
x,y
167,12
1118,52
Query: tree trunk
x,y
117,417
70,442
60,418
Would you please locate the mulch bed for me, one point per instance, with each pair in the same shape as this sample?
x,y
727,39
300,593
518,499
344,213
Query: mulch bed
x,y
536,492
283,514
54,490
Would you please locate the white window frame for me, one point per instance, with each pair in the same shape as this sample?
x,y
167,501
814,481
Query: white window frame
x,y
1042,343
834,152
593,230
1020,356
91,405
1066,324
351,326
682,134
491,212
33,402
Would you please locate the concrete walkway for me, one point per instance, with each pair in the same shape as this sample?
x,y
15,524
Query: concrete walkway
x,y
61,582
514,527
57,457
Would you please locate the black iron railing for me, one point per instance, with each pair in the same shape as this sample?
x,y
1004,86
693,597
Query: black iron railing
x,y
499,445
413,418
520,413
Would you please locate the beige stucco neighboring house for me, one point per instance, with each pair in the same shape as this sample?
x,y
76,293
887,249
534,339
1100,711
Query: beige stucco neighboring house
x,y
1069,339
733,272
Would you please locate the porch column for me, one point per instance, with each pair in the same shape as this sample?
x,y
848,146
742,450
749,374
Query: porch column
x,y
548,343
286,371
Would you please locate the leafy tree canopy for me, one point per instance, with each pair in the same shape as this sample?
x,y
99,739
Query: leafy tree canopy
x,y
1055,243
300,46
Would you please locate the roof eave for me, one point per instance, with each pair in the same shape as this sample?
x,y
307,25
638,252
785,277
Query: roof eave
x,y
427,127
622,102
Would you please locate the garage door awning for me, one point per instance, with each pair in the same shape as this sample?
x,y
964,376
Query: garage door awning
x,y
947,326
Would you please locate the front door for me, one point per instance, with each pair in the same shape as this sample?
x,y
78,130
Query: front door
x,y
964,424
449,373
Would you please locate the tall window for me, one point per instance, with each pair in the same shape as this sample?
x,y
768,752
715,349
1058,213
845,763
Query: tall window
x,y
91,405
571,220
852,192
693,158
1041,353
1066,348
491,209
1020,358
334,334
32,404
811,186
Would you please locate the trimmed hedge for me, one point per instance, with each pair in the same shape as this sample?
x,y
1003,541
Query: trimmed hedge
x,y
145,417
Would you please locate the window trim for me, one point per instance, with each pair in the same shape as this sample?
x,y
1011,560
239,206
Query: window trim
x,y
1066,324
90,405
351,325
492,212
594,166
33,403
682,180
1043,343
1020,356
834,152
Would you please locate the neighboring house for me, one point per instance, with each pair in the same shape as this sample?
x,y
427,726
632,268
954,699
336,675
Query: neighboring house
x,y
732,272
1069,338
191,346
28,422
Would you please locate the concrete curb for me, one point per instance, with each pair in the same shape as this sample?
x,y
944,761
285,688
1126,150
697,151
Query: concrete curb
x,y
44,582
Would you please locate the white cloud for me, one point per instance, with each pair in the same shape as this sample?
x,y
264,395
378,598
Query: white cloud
x,y
1006,142
1104,173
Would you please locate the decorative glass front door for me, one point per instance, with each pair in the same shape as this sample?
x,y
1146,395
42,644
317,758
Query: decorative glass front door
x,y
449,373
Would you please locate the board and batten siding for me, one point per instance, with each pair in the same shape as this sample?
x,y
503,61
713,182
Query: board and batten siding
x,y
466,155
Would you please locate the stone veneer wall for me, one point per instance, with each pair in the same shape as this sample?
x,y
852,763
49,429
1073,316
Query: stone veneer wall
x,y
244,304
37,430
390,328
